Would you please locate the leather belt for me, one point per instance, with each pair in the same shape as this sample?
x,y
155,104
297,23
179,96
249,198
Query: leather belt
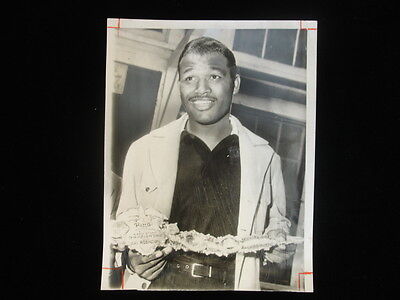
x,y
198,270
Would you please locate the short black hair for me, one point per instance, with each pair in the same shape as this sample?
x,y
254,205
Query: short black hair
x,y
206,45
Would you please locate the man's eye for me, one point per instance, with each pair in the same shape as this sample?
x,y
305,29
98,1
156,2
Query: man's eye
x,y
189,78
215,77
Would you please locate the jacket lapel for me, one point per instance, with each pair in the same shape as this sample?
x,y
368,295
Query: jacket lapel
x,y
254,159
164,153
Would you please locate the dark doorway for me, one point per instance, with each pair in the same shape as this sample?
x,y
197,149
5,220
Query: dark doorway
x,y
134,110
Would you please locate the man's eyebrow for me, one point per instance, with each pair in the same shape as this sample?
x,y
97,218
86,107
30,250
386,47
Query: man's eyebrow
x,y
217,68
212,67
188,69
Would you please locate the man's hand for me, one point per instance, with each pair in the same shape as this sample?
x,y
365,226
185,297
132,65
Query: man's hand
x,y
280,253
148,266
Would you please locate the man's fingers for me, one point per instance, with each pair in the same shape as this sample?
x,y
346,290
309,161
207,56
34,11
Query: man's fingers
x,y
159,254
152,272
279,254
167,250
146,265
283,251
141,268
118,247
155,256
137,259
156,273
274,258
281,248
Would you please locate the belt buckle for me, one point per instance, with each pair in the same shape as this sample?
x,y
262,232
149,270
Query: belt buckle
x,y
196,264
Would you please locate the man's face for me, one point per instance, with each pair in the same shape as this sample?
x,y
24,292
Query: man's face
x,y
206,87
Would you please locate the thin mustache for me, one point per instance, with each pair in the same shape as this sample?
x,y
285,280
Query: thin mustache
x,y
196,98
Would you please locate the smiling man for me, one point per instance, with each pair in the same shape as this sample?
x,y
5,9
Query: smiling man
x,y
205,172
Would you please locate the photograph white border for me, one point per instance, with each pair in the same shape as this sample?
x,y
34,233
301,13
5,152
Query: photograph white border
x,y
311,79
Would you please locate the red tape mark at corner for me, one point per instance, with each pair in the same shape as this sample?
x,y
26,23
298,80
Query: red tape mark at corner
x,y
306,28
298,277
118,25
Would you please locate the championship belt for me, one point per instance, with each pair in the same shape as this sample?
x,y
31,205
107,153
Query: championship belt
x,y
144,230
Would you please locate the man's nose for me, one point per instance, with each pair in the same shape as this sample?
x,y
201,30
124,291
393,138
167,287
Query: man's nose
x,y
203,86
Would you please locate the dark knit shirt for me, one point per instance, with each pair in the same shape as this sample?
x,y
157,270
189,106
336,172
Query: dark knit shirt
x,y
207,191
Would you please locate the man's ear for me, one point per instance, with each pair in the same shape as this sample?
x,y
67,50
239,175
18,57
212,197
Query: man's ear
x,y
236,84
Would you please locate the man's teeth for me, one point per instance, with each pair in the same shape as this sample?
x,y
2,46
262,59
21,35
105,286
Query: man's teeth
x,y
203,104
202,101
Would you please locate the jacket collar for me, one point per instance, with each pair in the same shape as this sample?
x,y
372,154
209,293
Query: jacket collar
x,y
174,130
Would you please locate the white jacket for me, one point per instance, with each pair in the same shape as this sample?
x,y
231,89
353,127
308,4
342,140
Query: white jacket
x,y
149,180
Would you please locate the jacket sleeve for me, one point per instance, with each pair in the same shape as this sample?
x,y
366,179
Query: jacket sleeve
x,y
277,220
128,197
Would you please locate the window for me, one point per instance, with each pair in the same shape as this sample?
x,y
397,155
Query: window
x,y
280,45
287,46
250,41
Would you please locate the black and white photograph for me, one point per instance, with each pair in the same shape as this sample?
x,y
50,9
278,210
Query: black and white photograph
x,y
209,155
193,149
